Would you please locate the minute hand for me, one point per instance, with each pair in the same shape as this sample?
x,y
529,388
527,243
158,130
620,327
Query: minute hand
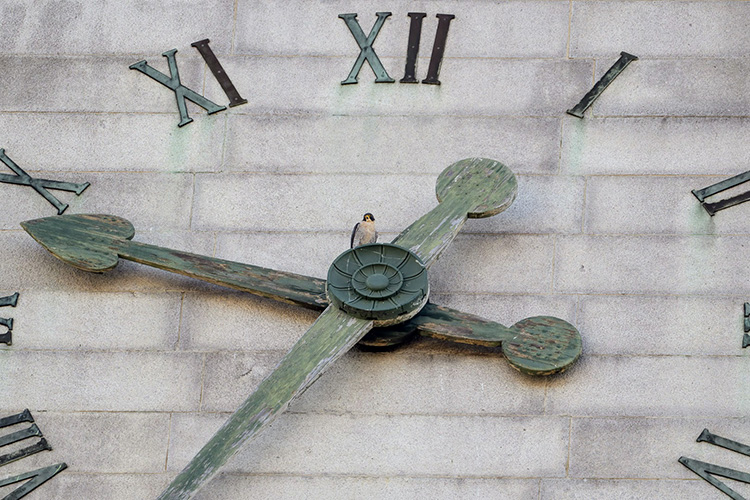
x,y
474,187
96,242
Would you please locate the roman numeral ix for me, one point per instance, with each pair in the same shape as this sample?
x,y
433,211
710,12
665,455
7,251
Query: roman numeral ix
x,y
181,92
705,470
39,185
7,337
367,52
37,477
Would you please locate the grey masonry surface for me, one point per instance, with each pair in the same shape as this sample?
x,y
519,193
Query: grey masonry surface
x,y
130,372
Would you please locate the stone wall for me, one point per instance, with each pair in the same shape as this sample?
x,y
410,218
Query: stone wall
x,y
129,373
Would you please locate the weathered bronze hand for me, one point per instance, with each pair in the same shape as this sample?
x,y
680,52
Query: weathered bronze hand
x,y
376,285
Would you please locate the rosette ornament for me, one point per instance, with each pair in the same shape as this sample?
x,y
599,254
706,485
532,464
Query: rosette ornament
x,y
380,281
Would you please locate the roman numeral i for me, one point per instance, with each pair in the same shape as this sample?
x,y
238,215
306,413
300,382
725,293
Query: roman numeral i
x,y
367,52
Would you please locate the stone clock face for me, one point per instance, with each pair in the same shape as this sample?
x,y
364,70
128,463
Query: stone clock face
x,y
128,374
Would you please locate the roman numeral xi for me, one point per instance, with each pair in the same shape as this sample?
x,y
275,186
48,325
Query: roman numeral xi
x,y
181,92
41,186
367,52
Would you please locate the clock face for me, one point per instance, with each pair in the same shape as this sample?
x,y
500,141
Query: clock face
x,y
128,374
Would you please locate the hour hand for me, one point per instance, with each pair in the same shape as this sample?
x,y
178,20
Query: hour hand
x,y
540,345
96,242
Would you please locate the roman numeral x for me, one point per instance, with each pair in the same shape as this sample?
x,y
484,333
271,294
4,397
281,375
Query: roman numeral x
x,y
40,185
366,52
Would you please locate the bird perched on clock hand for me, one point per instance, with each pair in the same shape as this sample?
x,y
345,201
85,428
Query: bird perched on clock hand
x,y
364,231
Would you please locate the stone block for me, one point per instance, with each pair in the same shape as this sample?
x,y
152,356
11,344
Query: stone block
x,y
306,253
513,29
544,204
388,445
657,205
649,448
658,386
309,203
260,487
661,325
622,489
79,27
677,87
240,321
655,146
101,442
134,196
100,381
75,84
387,144
52,142
669,29
495,87
262,202
508,309
76,320
495,264
651,264
67,486
401,382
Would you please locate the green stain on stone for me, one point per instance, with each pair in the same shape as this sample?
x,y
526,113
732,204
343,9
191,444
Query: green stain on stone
x,y
574,130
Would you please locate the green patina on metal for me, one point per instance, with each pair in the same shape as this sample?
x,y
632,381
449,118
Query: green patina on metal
x,y
94,242
474,187
41,186
37,478
332,334
712,208
707,471
173,83
366,51
541,345
379,284
7,337
379,281
602,84
746,324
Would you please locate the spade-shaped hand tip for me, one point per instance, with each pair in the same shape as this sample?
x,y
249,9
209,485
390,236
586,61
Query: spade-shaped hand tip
x,y
88,242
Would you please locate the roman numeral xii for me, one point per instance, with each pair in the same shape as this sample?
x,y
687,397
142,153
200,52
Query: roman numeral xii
x,y
367,52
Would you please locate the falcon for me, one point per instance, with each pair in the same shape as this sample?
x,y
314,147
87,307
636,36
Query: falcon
x,y
364,231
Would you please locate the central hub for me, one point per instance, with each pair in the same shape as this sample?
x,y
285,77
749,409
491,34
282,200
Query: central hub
x,y
377,282
383,282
